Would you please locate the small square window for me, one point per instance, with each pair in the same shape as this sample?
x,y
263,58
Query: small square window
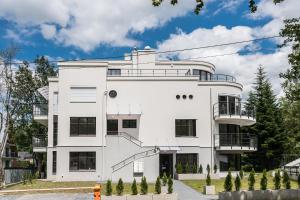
x,y
129,123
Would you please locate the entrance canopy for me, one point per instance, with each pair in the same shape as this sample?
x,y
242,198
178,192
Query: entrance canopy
x,y
169,148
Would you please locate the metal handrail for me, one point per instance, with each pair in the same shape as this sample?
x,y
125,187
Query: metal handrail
x,y
292,170
236,140
40,109
126,136
134,157
39,140
233,109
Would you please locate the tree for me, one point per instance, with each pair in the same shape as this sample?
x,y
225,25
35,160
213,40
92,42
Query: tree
x,y
241,173
144,186
208,169
43,70
108,188
120,187
200,169
194,168
179,168
237,183
251,180
264,181
277,180
158,186
228,182
286,180
164,179
215,168
134,190
170,185
200,3
187,168
208,180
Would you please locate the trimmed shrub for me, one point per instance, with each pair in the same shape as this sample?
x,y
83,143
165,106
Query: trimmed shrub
x,y
157,186
264,181
228,182
241,173
144,186
277,180
298,181
208,169
215,168
164,179
170,185
286,180
108,191
134,190
251,180
208,180
237,183
187,168
179,168
120,187
200,169
194,168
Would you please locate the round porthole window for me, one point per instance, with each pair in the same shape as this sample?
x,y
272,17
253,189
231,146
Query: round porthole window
x,y
191,96
112,93
177,96
184,96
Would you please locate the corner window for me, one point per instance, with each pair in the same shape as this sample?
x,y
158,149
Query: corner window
x,y
82,126
185,127
82,161
129,123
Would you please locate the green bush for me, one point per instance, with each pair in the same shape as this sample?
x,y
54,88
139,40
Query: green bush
x,y
179,168
247,168
134,190
194,168
298,181
251,180
228,182
215,168
164,179
187,168
170,185
277,180
158,186
208,169
264,181
286,180
200,169
208,180
144,186
241,173
120,187
237,183
108,188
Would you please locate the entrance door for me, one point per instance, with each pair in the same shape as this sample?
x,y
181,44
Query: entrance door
x,y
112,127
166,164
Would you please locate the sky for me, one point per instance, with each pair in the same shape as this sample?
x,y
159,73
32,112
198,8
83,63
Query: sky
x,y
76,29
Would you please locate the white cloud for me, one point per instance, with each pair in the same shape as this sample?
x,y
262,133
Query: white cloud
x,y
48,31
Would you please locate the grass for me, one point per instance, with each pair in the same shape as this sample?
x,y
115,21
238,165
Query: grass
x,y
37,184
219,183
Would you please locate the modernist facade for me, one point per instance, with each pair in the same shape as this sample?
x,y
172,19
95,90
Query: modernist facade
x,y
140,116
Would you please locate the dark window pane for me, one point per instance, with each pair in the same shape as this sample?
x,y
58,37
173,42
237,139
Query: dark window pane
x,y
185,127
112,126
82,126
190,158
82,161
54,162
129,123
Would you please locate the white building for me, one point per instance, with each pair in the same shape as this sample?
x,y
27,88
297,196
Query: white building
x,y
139,116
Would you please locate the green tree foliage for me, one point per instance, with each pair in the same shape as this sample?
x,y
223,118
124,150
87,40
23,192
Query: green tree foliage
x,y
228,182
120,187
108,191
286,180
215,168
208,169
170,185
144,186
277,180
164,179
179,168
237,183
187,168
157,186
208,180
200,169
44,69
251,180
194,168
241,173
134,190
264,181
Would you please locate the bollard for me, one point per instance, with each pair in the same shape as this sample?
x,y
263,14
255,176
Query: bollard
x,y
97,192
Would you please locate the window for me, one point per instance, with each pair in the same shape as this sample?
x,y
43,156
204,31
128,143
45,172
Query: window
x,y
233,163
82,161
114,72
112,127
55,129
83,95
185,127
54,162
183,158
82,126
229,128
203,75
129,123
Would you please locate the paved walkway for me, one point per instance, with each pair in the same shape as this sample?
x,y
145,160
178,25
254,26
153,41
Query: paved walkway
x,y
187,193
49,196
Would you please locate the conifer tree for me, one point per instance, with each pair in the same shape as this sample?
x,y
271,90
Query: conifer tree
x,y
286,180
264,181
164,179
120,187
200,169
170,185
228,182
237,183
277,180
208,169
108,188
251,180
134,190
144,186
157,186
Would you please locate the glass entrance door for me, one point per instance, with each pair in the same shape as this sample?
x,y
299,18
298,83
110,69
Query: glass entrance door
x,y
166,164
112,127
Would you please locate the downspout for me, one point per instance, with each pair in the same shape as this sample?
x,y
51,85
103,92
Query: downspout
x,y
104,103
211,129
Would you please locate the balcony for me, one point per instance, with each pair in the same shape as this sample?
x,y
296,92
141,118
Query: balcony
x,y
235,142
233,113
40,113
39,143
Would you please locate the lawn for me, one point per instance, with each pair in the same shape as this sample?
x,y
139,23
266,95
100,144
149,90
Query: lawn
x,y
219,183
37,184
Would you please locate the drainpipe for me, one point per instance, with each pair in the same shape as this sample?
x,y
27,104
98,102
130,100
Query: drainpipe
x,y
211,129
104,103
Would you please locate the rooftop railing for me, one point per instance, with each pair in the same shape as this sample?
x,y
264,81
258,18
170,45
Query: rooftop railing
x,y
40,109
236,140
233,109
39,141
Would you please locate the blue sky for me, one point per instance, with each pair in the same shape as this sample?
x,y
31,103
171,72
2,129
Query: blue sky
x,y
95,29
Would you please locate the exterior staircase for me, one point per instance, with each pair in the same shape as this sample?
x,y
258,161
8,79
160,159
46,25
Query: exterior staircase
x,y
130,138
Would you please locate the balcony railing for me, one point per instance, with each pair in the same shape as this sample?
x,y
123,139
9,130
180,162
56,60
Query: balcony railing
x,y
236,140
233,108
222,77
39,141
40,109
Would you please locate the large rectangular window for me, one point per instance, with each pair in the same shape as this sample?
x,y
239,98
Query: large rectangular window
x,y
54,162
55,129
82,161
185,127
129,123
82,126
183,158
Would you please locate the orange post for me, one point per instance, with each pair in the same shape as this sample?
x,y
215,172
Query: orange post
x,y
97,192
